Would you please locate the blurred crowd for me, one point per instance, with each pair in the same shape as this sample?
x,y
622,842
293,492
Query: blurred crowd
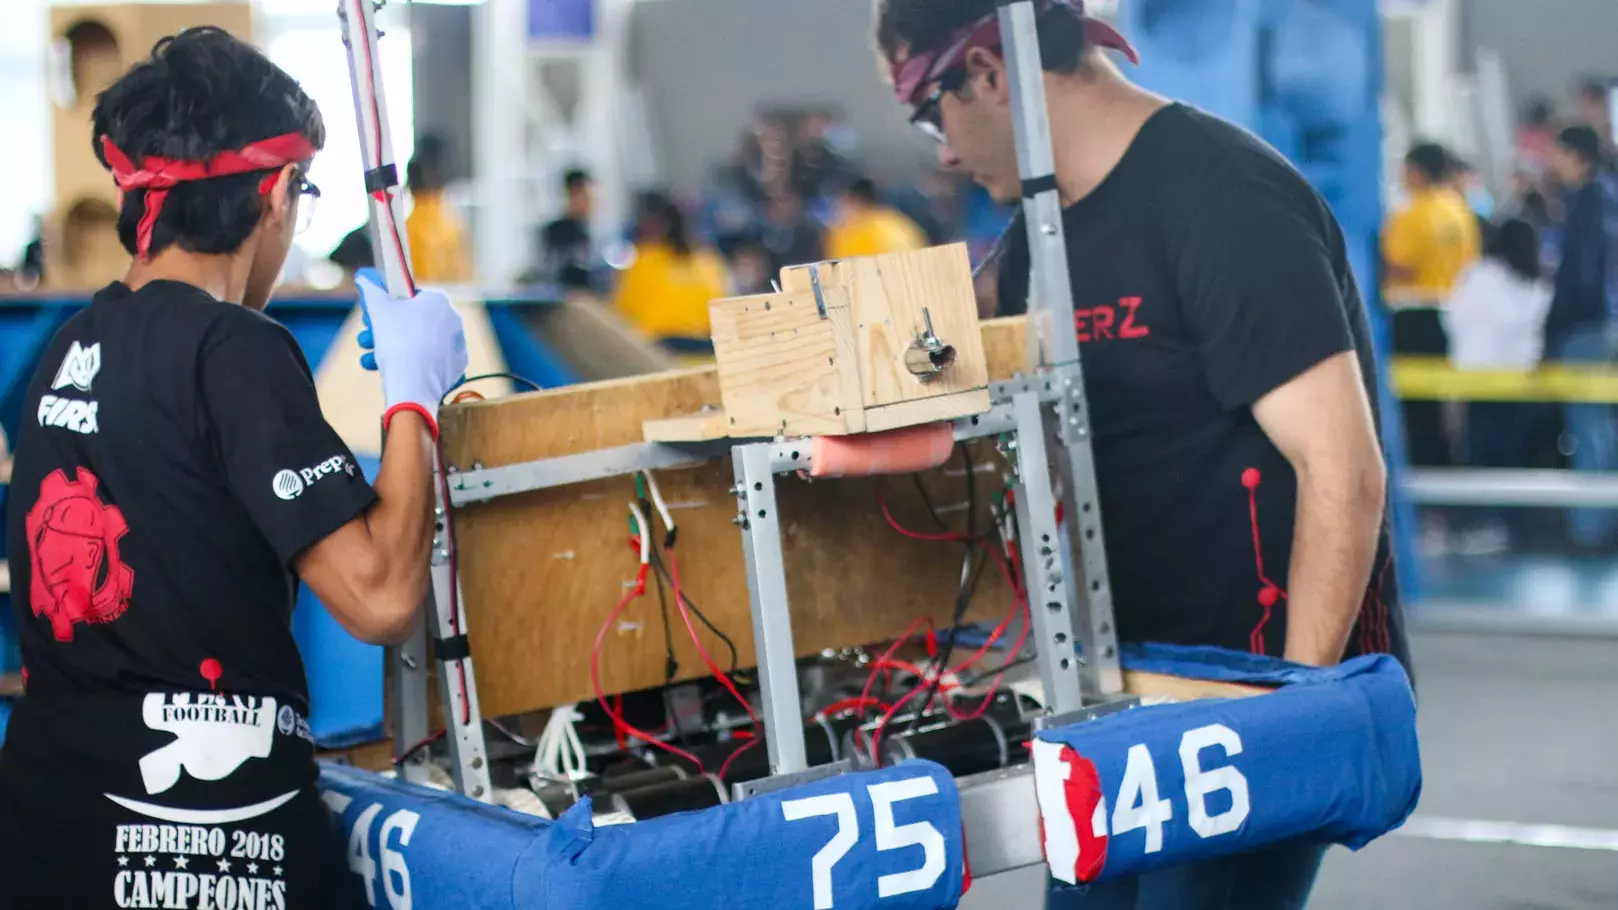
x,y
794,191
1510,287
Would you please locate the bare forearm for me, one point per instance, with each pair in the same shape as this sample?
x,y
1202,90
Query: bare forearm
x,y
401,521
1333,547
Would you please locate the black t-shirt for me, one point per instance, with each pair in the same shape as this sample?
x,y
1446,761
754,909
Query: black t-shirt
x,y
1206,274
172,463
566,246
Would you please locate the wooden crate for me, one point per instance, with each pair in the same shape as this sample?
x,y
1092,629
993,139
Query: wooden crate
x,y
838,350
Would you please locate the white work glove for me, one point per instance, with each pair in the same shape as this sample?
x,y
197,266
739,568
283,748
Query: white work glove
x,y
417,345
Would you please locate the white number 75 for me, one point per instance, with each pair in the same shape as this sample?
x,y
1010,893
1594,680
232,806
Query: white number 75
x,y
888,836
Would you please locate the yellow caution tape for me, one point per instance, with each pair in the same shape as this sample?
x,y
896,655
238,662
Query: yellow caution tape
x,y
1433,379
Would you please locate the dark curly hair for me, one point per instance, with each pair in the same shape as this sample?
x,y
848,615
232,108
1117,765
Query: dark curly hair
x,y
922,25
200,93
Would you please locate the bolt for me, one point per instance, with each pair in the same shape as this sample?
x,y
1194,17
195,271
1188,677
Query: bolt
x,y
1049,230
409,662
477,762
477,465
739,521
1083,432
477,791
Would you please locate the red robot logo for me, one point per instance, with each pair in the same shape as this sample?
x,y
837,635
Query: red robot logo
x,y
76,573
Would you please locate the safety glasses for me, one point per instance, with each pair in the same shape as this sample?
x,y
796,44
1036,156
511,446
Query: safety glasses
x,y
308,195
929,114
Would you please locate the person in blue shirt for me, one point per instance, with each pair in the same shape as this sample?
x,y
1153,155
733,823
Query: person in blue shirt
x,y
1577,326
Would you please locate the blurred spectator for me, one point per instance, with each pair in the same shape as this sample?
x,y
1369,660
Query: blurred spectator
x,y
665,291
1464,179
565,243
1425,246
354,252
1495,321
1536,136
866,227
30,270
792,235
819,165
1595,111
438,251
1576,329
751,266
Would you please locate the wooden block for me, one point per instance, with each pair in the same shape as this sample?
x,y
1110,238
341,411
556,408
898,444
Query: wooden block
x,y
541,571
820,357
778,365
887,295
690,428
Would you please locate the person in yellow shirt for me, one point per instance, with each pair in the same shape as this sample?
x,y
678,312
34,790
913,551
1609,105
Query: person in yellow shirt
x,y
1426,246
1428,243
665,291
438,250
865,227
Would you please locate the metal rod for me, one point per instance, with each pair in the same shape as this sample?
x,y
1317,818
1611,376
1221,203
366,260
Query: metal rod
x,y
484,484
463,726
410,721
772,617
1051,599
1511,487
1053,344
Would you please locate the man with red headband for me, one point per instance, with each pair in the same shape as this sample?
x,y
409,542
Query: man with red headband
x,y
1227,359
174,482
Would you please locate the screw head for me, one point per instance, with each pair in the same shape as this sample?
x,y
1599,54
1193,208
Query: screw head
x,y
477,762
477,791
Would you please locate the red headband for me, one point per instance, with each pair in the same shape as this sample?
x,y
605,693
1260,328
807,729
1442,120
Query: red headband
x,y
920,69
159,175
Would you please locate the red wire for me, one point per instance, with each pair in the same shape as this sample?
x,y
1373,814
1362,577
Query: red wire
x,y
882,661
402,756
994,687
595,677
848,704
947,536
685,614
724,768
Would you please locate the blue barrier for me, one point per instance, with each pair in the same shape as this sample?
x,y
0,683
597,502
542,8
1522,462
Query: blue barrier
x,y
1332,757
890,839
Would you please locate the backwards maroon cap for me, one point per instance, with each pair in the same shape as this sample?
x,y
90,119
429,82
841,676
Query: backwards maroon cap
x,y
157,175
922,68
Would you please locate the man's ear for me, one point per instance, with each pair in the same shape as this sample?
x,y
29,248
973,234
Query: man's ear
x,y
283,193
986,72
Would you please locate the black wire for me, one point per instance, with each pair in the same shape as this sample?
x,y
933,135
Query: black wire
x,y
990,674
969,581
671,666
532,385
662,571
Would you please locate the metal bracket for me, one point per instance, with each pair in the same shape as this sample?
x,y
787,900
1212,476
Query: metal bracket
x,y
756,466
1112,706
814,284
779,782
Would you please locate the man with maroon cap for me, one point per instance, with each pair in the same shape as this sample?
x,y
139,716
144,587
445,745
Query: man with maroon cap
x,y
1227,360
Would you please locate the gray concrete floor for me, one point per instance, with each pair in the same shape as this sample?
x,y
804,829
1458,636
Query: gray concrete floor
x,y
1514,729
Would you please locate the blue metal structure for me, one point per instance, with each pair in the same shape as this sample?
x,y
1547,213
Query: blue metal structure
x,y
345,676
1306,76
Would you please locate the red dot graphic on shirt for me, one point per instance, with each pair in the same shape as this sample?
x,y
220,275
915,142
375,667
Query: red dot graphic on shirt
x,y
1250,478
1268,596
211,671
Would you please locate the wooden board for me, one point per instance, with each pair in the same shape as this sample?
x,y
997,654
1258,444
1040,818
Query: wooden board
x,y
595,342
690,428
540,572
779,369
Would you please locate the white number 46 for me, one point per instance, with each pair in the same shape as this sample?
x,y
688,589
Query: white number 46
x,y
394,873
889,836
1138,804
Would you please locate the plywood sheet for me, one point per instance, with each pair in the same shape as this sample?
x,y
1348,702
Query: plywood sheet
x,y
541,572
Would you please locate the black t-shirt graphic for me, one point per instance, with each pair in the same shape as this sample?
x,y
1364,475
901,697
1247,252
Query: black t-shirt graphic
x,y
1206,273
172,463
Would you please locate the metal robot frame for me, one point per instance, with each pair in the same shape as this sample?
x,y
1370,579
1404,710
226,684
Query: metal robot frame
x,y
1046,410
